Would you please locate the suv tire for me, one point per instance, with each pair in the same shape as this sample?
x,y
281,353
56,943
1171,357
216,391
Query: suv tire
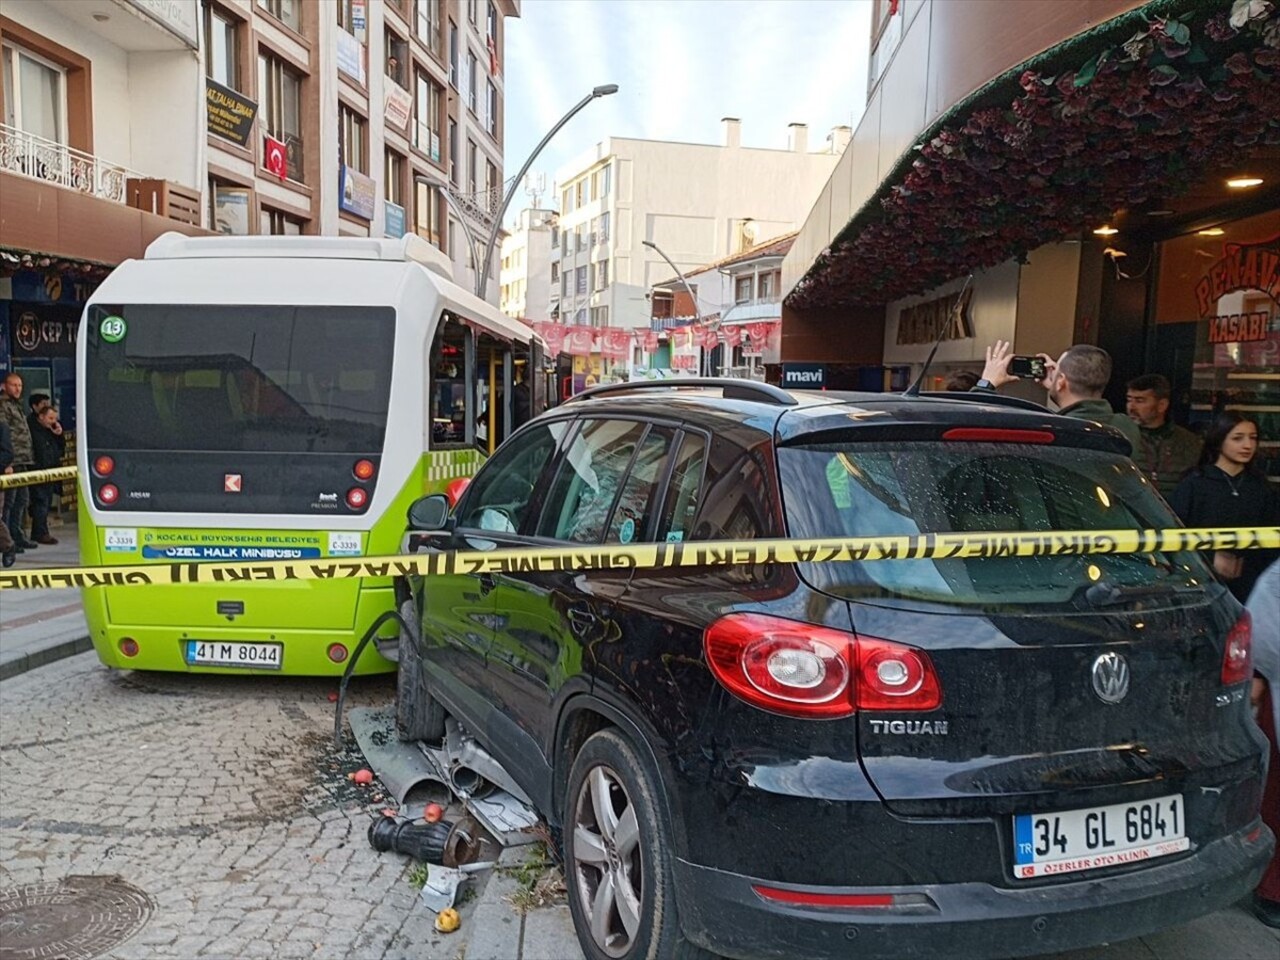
x,y
615,849
419,716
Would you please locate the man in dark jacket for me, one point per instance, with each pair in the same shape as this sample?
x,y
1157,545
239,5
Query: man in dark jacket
x,y
6,468
48,445
15,417
1166,452
1075,382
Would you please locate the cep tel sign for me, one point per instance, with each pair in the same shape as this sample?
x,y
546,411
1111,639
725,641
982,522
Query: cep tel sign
x,y
113,329
804,376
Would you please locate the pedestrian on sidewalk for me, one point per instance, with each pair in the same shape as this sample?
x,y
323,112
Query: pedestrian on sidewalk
x,y
1166,452
1229,490
15,504
7,554
49,447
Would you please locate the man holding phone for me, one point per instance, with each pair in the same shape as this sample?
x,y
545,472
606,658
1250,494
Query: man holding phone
x,y
1075,382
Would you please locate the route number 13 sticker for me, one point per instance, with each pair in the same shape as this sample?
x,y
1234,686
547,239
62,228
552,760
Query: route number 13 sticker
x,y
113,329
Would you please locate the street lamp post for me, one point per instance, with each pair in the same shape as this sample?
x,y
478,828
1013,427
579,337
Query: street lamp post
x,y
447,193
601,91
693,298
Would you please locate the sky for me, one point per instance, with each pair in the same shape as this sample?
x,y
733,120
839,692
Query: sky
x,y
680,65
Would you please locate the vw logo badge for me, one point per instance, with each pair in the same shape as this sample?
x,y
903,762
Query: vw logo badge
x,y
1110,678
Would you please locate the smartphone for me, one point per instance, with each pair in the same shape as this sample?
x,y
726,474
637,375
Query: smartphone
x,y
1027,368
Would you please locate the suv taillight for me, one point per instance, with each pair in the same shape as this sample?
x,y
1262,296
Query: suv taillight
x,y
1237,658
804,670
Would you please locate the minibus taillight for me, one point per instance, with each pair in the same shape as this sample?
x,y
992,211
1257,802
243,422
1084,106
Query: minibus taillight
x,y
364,470
108,494
103,466
357,498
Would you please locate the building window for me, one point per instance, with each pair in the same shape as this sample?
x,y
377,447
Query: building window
x,y
599,316
471,81
453,152
288,12
427,114
555,273
473,160
768,287
351,139
346,15
228,207
606,181
397,59
566,200
555,239
580,192
491,184
580,280
580,317
491,109
604,226
472,12
279,224
602,274
426,213
222,52
394,188
453,55
426,23
581,237
279,93
35,94
564,284
742,290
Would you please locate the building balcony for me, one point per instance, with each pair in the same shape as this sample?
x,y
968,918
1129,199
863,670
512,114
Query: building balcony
x,y
769,308
30,156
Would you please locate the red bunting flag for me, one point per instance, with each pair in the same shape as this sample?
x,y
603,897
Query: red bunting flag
x,y
581,340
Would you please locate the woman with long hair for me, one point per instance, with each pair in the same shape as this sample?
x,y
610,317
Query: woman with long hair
x,y
1228,490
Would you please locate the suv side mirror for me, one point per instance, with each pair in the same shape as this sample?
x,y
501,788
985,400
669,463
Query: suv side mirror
x,y
429,513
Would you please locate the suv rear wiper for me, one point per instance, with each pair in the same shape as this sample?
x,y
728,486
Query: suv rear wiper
x,y
1110,594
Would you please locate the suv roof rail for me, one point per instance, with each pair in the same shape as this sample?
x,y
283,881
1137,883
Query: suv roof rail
x,y
732,388
986,396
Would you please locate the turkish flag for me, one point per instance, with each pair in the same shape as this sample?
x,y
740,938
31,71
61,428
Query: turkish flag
x,y
274,157
581,340
614,342
708,337
732,335
650,341
553,334
493,58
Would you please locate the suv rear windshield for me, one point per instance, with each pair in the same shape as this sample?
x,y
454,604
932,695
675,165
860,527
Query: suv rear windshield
x,y
254,378
865,489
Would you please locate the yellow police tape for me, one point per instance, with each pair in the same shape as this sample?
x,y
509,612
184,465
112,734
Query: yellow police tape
x,y
31,477
659,556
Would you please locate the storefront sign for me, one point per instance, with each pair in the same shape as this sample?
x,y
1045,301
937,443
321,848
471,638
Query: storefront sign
x,y
231,210
1253,266
230,115
52,287
804,376
393,219
350,56
397,104
179,17
358,194
1240,327
44,331
923,322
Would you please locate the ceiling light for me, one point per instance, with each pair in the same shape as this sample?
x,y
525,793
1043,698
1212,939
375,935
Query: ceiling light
x,y
1243,183
1211,232
1106,231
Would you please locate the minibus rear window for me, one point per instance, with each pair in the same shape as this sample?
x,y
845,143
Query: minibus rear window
x,y
289,379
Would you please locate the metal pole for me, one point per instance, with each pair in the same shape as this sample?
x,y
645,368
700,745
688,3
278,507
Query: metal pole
x,y
692,296
457,208
602,91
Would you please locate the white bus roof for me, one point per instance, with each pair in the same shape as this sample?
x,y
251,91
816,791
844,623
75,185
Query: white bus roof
x,y
410,248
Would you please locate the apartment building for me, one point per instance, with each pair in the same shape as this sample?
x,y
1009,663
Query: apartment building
x,y
530,265
696,202
101,151
374,118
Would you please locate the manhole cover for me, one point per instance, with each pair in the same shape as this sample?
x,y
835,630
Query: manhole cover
x,y
72,919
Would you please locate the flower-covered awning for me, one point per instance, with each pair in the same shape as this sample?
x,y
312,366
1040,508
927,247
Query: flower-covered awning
x,y
1141,107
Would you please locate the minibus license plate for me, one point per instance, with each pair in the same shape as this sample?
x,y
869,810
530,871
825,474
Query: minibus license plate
x,y
227,653
1046,844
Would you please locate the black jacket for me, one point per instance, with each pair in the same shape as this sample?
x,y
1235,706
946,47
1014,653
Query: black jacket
x,y
1207,497
47,446
6,446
